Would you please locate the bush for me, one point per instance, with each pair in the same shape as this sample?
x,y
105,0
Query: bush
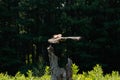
x,y
95,74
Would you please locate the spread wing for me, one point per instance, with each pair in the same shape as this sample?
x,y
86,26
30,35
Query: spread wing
x,y
60,39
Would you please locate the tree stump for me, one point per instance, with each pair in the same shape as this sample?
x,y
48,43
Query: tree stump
x,y
69,69
58,73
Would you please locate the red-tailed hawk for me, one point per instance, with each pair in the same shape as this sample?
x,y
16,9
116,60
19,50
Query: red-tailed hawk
x,y
57,38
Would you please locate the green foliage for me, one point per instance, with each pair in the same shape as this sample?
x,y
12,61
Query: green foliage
x,y
47,70
75,69
95,74
38,69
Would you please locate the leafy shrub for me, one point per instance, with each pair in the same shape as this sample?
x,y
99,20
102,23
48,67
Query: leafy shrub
x,y
95,74
75,69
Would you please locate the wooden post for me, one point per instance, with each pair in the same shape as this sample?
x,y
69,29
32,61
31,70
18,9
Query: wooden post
x,y
58,73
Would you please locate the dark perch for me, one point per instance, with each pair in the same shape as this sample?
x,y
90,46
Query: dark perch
x,y
58,73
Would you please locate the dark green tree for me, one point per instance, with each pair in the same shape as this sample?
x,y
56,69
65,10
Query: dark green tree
x,y
9,57
98,23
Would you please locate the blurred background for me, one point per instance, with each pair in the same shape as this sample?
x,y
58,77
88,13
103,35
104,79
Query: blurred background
x,y
26,25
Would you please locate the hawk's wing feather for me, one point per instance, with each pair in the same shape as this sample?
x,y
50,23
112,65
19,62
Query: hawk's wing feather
x,y
58,40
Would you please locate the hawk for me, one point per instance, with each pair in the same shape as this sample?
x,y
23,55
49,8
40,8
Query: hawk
x,y
57,38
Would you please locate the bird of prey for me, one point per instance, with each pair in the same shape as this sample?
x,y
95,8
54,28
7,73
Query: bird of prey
x,y
57,38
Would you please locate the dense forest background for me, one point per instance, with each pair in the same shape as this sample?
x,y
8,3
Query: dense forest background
x,y
26,25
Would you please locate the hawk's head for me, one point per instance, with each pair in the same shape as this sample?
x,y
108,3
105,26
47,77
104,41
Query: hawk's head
x,y
57,36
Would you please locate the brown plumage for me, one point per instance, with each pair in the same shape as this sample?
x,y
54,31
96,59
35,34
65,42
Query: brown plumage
x,y
57,38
